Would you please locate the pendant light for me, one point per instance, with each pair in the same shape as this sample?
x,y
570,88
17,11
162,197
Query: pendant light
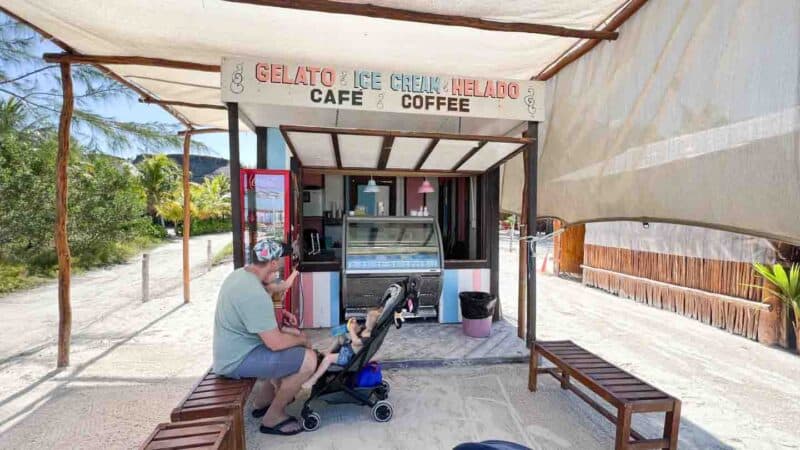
x,y
371,186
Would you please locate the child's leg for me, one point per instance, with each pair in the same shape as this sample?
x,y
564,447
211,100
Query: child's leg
x,y
326,362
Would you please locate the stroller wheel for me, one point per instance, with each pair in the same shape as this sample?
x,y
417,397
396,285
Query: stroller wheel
x,y
382,411
385,386
311,422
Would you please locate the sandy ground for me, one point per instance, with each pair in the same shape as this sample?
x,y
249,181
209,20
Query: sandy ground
x,y
130,367
30,318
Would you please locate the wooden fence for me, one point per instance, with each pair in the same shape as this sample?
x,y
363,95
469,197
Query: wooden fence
x,y
719,293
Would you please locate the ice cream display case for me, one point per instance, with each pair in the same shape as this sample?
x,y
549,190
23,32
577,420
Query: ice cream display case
x,y
379,251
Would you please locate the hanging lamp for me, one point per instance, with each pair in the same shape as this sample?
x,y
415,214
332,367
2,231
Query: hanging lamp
x,y
371,186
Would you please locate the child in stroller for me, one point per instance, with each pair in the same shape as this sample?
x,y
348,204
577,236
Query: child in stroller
x,y
335,384
346,346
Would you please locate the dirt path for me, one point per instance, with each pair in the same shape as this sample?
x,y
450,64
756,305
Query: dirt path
x,y
30,318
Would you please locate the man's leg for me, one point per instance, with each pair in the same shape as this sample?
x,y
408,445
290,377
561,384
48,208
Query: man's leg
x,y
289,387
264,393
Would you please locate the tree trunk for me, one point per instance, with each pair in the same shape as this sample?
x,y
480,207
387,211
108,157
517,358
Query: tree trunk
x,y
770,322
61,238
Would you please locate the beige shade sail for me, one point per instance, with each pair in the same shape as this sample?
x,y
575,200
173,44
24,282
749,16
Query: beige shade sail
x,y
692,116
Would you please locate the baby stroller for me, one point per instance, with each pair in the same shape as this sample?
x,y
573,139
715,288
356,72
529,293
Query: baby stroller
x,y
336,385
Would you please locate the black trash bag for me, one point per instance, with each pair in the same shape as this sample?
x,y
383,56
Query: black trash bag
x,y
477,305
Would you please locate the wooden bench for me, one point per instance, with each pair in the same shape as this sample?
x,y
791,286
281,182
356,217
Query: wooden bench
x,y
622,390
216,396
209,434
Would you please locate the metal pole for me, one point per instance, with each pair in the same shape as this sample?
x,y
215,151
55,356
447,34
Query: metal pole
x,y
236,183
145,277
532,169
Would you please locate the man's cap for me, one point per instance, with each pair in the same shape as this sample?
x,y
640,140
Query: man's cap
x,y
266,250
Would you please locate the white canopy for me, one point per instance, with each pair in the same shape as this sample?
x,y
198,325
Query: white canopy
x,y
691,116
203,31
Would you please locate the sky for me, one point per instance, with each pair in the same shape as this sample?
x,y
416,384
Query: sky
x,y
134,111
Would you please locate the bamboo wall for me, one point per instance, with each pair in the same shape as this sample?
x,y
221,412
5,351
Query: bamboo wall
x,y
568,249
712,276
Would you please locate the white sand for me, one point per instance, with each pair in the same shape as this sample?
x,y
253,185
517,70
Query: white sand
x,y
134,362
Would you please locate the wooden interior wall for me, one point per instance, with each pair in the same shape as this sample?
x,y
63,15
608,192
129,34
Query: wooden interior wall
x,y
568,249
735,279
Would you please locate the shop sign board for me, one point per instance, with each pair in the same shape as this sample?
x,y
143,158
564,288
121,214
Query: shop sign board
x,y
276,82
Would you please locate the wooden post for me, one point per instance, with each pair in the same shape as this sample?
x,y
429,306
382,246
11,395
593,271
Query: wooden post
x,y
236,182
531,177
209,256
491,206
187,216
61,238
261,148
145,277
522,288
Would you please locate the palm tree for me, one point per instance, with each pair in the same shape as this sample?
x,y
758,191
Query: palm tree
x,y
212,198
159,176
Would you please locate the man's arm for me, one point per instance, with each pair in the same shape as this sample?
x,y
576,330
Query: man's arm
x,y
276,340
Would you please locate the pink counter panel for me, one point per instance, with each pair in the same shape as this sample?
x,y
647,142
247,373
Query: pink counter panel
x,y
320,295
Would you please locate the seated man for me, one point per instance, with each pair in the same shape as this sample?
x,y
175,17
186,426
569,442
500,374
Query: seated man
x,y
248,343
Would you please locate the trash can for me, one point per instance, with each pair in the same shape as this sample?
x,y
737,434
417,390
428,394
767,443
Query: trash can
x,y
477,309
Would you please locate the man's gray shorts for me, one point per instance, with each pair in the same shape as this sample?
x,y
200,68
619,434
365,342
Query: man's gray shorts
x,y
262,362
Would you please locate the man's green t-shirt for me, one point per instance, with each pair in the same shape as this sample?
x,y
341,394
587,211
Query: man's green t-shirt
x,y
244,309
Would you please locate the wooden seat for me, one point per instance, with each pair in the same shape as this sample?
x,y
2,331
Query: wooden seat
x,y
627,393
214,433
216,396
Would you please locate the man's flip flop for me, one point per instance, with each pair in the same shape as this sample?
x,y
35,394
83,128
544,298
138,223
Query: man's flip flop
x,y
277,428
259,412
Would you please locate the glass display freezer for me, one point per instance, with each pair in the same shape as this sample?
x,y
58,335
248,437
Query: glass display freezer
x,y
379,251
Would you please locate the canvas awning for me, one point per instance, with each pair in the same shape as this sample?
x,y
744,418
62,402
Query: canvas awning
x,y
691,116
203,31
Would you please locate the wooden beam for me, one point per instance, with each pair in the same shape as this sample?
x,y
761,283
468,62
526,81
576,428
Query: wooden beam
x,y
290,144
236,183
386,151
383,12
261,148
426,154
73,58
580,48
201,131
187,216
360,171
60,232
507,158
337,152
469,155
150,100
403,134
531,176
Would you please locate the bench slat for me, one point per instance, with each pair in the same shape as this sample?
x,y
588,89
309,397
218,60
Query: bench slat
x,y
211,401
189,442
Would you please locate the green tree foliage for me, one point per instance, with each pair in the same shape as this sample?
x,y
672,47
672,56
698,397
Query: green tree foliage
x,y
106,201
209,202
212,198
787,285
159,177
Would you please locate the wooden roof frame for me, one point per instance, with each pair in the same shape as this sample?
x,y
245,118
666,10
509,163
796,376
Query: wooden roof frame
x,y
389,137
606,30
384,12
